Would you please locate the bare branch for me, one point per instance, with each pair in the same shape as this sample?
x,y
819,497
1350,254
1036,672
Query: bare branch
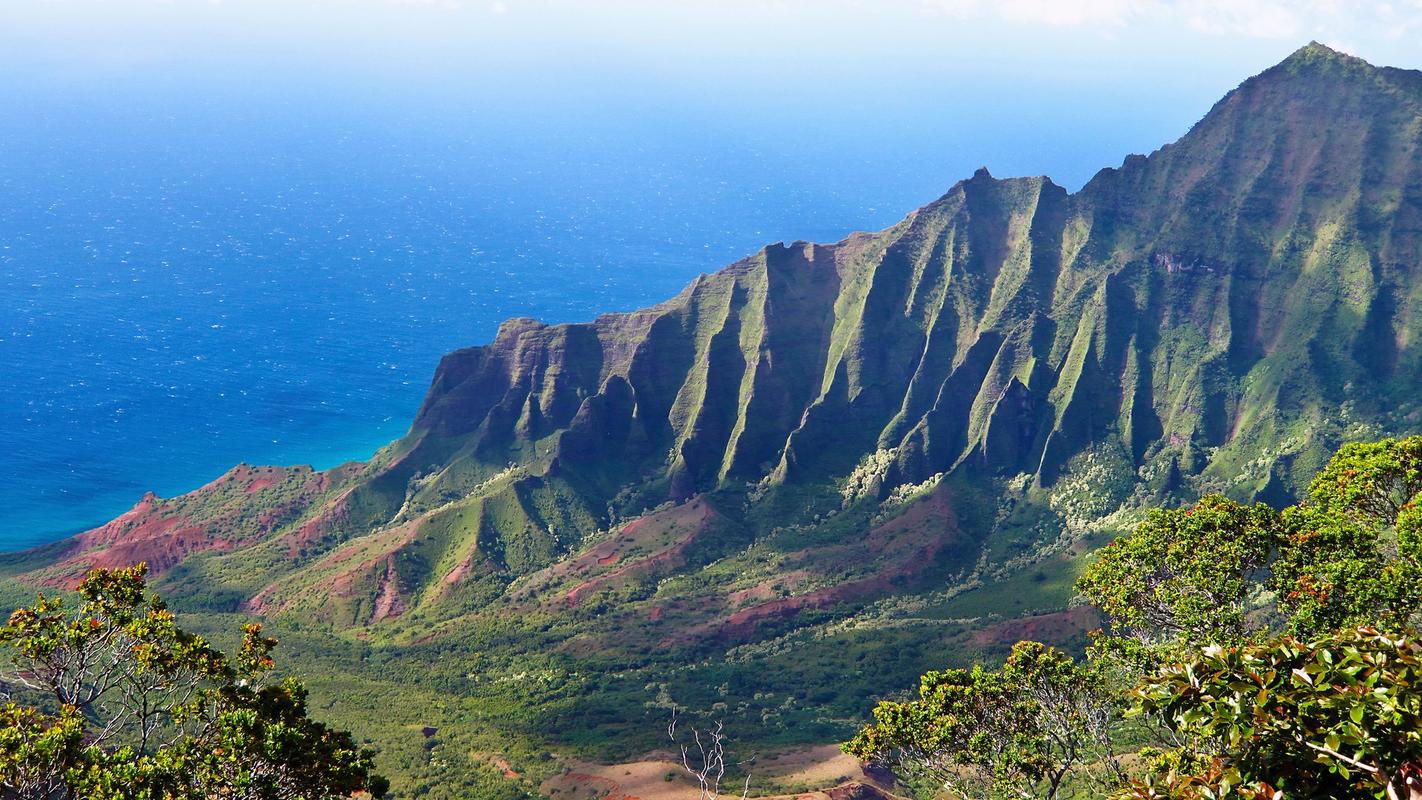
x,y
704,759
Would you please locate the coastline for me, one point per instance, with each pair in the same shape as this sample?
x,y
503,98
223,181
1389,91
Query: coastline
x,y
111,502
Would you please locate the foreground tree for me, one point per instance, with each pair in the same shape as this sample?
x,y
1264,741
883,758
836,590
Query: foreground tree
x,y
1353,552
1338,716
112,701
1198,602
1020,732
1349,555
1184,575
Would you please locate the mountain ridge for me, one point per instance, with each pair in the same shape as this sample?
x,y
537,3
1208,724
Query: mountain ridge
x,y
1075,356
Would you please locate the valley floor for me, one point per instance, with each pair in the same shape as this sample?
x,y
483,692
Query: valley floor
x,y
816,773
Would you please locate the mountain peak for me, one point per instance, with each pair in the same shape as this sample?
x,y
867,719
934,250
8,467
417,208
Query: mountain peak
x,y
1316,56
1317,49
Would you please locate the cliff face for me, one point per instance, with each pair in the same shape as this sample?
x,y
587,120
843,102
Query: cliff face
x,y
1214,317
1258,271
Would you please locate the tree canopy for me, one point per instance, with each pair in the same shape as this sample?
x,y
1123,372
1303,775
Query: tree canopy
x,y
1337,716
1017,732
1352,554
1183,574
110,700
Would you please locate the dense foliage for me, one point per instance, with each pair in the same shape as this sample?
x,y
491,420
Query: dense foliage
x,y
112,701
1016,733
1338,716
1183,574
1258,654
1352,554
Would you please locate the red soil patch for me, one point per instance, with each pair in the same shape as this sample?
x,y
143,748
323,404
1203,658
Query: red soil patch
x,y
1054,627
253,479
332,513
160,546
162,533
388,601
767,589
461,571
343,570
260,484
907,545
681,523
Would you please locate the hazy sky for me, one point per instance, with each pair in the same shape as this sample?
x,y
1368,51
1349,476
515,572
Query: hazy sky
x,y
1053,86
778,43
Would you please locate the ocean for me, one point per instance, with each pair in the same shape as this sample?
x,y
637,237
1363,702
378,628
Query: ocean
x,y
189,282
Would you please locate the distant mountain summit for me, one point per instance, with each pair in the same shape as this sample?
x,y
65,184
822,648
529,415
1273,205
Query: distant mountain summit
x,y
970,391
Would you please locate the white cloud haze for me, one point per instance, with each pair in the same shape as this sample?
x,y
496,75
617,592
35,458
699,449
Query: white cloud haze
x,y
816,50
1267,19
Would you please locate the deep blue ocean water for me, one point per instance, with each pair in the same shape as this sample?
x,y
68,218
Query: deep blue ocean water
x,y
190,282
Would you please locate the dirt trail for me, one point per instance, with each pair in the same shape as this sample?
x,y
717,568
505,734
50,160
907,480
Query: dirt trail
x,y
839,774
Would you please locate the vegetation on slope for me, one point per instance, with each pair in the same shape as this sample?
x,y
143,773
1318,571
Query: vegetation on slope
x,y
112,701
1254,654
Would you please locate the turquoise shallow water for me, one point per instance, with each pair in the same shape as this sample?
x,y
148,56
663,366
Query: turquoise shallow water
x,y
186,285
